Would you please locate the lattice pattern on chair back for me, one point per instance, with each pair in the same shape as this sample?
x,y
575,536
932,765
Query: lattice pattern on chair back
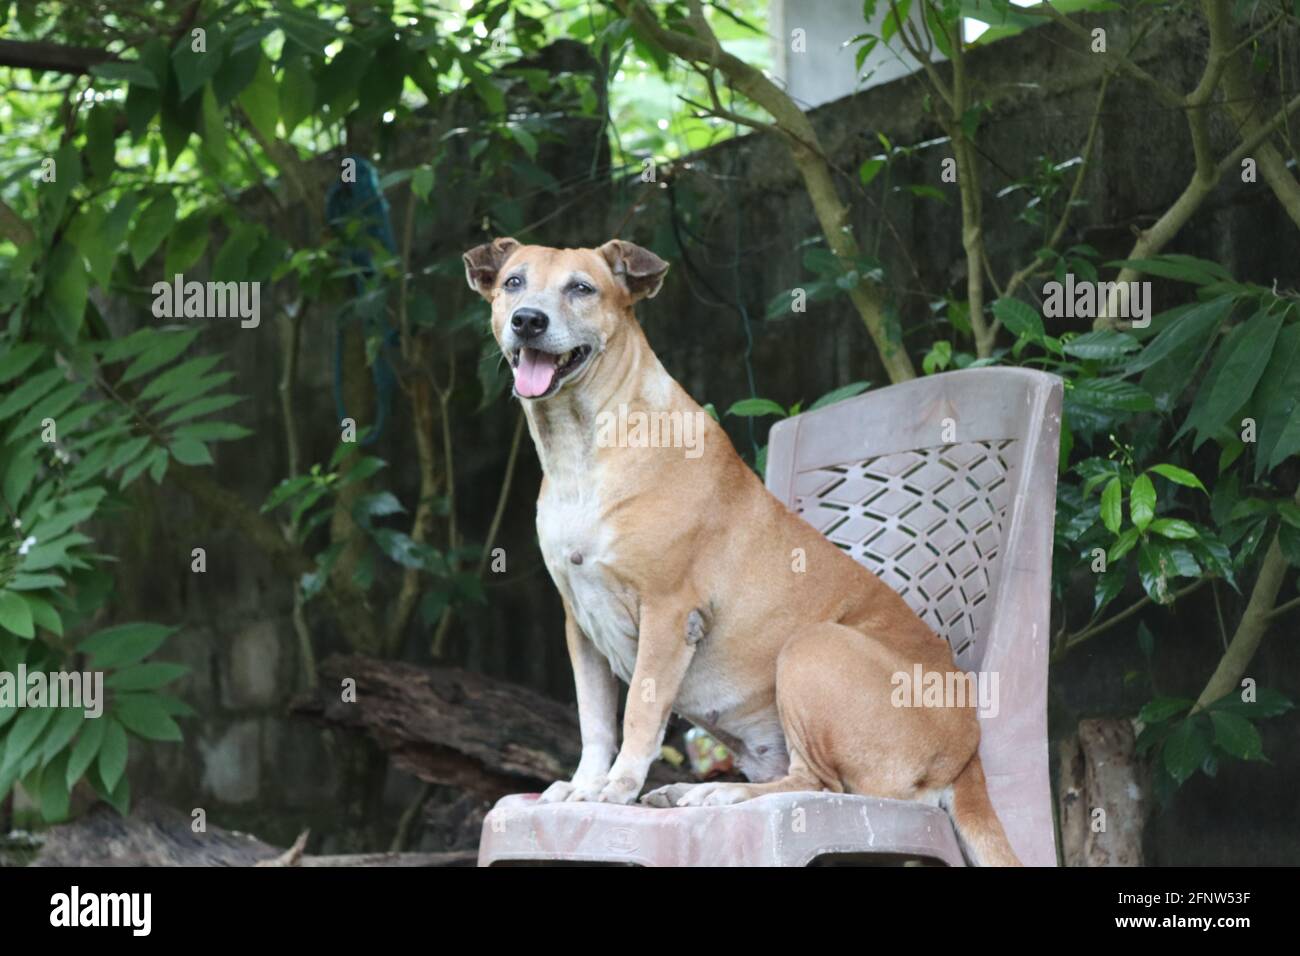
x,y
930,523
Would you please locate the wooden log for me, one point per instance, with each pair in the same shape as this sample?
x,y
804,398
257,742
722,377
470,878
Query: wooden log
x,y
1104,795
158,835
453,727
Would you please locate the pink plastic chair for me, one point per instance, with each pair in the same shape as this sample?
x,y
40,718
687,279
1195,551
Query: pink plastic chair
x,y
945,487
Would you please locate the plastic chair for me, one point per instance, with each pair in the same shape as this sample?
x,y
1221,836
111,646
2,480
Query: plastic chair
x,y
945,487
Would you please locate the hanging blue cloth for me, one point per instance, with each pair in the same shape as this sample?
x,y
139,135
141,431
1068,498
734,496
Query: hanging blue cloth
x,y
363,201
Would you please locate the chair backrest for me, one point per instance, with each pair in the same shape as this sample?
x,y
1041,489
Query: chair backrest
x,y
945,487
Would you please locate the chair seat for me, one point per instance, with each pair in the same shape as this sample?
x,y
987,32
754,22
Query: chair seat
x,y
783,829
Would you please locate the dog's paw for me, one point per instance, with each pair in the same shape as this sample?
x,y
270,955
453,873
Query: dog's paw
x,y
712,795
619,790
572,791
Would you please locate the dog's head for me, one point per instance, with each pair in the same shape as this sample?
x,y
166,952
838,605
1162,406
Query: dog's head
x,y
556,311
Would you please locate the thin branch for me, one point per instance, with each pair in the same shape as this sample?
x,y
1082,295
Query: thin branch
x,y
52,57
14,228
1074,640
1167,95
1063,223
1281,609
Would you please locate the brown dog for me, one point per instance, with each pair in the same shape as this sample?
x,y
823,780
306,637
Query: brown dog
x,y
683,576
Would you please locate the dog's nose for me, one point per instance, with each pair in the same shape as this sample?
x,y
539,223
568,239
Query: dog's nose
x,y
528,323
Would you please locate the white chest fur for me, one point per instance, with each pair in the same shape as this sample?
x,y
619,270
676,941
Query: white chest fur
x,y
578,547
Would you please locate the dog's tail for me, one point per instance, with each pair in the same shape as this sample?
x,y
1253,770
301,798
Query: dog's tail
x,y
978,827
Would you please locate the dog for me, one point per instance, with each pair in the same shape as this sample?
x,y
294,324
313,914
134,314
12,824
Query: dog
x,y
678,576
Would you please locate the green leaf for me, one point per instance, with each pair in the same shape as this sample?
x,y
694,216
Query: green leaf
x,y
1142,502
204,406
66,288
238,69
1155,567
145,716
1122,546
231,263
1102,345
1109,584
213,149
755,408
190,452
213,431
838,395
1162,708
1267,703
191,390
376,505
52,406
527,142
186,243
86,748
147,676
1236,371
1187,747
1277,401
187,371
125,643
261,101
23,734
285,490
16,615
1112,504
30,392
1112,394
869,170
126,71
55,796
192,68
1190,328
19,359
400,548
297,93
151,228
1237,735
1020,319
44,614
1179,476
112,753
422,182
67,722
1180,267
1174,529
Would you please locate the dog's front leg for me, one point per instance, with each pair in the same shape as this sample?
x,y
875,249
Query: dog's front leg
x,y
597,690
663,655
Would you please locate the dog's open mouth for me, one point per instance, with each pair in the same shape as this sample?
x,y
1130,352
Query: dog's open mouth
x,y
539,373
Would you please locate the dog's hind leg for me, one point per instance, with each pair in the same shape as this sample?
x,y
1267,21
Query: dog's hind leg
x,y
723,793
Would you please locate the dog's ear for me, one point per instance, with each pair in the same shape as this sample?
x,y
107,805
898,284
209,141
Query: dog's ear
x,y
639,270
482,263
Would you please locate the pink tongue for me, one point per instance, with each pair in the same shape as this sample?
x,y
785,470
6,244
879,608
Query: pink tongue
x,y
534,373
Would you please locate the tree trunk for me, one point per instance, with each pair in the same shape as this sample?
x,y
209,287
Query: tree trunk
x,y
1104,796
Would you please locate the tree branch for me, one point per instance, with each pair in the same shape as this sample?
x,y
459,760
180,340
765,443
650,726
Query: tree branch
x,y
805,150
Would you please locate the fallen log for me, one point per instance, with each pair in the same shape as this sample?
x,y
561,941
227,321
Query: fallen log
x,y
1104,795
452,727
158,835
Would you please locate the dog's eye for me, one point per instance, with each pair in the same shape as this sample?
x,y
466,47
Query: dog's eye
x,y
581,288
514,282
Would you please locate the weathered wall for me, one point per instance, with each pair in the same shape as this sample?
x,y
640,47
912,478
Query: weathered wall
x,y
740,214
